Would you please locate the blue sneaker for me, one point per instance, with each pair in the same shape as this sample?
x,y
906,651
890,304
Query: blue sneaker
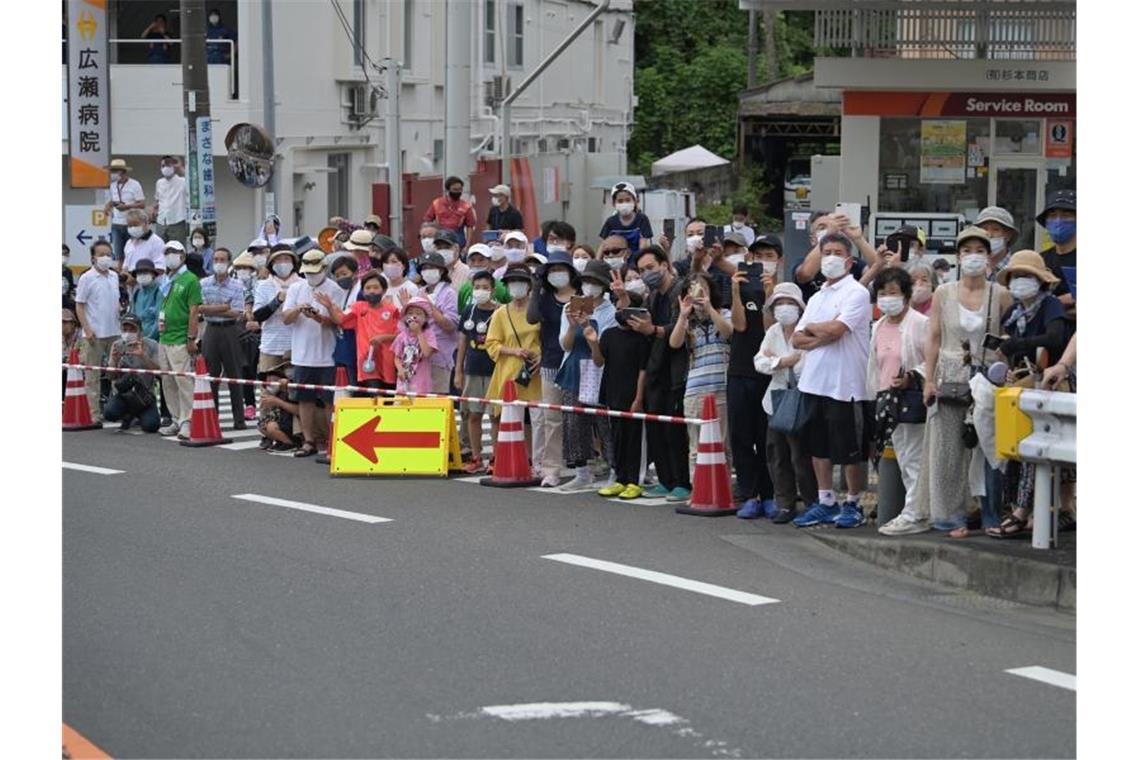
x,y
679,494
850,516
750,510
658,491
769,509
817,514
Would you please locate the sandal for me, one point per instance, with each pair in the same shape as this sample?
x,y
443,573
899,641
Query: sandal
x,y
963,532
1011,527
306,450
474,467
1066,521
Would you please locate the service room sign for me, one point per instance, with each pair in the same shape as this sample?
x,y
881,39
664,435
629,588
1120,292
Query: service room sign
x,y
980,104
88,99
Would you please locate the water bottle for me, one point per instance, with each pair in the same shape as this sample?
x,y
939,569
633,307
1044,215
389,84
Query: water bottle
x,y
369,365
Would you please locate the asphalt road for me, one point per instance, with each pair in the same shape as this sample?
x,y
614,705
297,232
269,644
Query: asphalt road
x,y
200,625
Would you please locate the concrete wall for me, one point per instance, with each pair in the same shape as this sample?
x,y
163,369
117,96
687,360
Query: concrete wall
x,y
859,166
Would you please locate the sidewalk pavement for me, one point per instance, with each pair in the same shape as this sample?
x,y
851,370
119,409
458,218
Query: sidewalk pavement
x,y
1009,569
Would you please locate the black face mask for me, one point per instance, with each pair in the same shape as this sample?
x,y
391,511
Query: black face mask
x,y
376,263
373,299
456,195
344,282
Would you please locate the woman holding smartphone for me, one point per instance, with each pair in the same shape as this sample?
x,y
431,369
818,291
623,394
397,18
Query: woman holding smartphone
x,y
514,343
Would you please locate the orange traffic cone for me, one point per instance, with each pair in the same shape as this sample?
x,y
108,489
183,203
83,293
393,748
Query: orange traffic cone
x,y
205,430
712,488
325,457
512,465
76,411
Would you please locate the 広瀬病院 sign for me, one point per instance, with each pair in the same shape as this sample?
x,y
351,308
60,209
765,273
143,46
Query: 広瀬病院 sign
x,y
88,97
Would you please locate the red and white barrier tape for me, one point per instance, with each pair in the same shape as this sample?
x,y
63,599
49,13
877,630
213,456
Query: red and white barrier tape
x,y
594,411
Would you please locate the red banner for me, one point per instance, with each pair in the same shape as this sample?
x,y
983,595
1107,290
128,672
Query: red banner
x,y
936,104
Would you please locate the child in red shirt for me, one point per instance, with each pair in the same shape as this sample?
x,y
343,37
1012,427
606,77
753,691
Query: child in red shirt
x,y
376,322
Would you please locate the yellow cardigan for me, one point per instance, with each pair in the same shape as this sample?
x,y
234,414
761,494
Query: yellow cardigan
x,y
499,336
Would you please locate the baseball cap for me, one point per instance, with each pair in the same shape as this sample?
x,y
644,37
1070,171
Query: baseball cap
x,y
767,241
174,245
501,190
479,249
446,236
736,239
313,261
516,235
130,318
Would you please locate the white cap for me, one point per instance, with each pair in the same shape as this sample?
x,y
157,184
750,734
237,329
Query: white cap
x,y
480,248
516,235
176,245
501,190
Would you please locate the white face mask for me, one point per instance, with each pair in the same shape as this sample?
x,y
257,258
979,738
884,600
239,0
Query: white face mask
x,y
921,293
282,269
693,243
480,296
736,259
244,275
214,19
892,306
833,267
145,279
431,276
580,264
515,255
997,245
448,256
635,286
615,262
592,289
116,176
173,261
314,278
553,248
220,268
497,252
518,289
625,209
393,271
427,244
737,225
135,231
786,314
558,279
130,336
769,267
102,263
198,242
973,264
168,171
1024,288
259,260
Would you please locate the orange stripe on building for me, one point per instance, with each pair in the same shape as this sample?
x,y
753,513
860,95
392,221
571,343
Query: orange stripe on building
x,y
888,103
84,174
522,193
77,747
935,103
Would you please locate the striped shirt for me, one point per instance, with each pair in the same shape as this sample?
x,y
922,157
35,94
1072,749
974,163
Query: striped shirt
x,y
228,291
276,336
708,361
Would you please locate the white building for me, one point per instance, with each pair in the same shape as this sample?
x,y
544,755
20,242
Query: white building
x,y
571,123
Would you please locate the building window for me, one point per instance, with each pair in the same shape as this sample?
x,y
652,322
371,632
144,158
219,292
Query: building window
x,y
489,31
1012,39
515,23
901,169
358,38
338,185
409,32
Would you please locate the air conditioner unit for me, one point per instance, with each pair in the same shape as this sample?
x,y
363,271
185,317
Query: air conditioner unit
x,y
360,101
495,90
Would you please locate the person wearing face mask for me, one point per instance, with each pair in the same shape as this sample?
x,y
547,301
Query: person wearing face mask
x,y
627,220
170,202
178,339
614,251
556,235
999,225
414,347
395,266
244,271
379,246
132,397
270,293
503,216
97,306
143,242
271,229
446,244
312,345
275,420
807,273
342,268
557,284
451,212
514,249
513,343
146,300
223,307
922,289
68,280
834,334
261,250
218,51
580,256
577,331
788,460
961,315
72,339
740,225
444,303
200,243
474,367
896,363
374,322
908,245
665,376
479,258
359,246
125,194
1034,323
1059,218
713,260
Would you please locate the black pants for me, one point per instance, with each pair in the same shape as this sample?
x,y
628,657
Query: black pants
x,y
222,351
668,443
748,435
626,437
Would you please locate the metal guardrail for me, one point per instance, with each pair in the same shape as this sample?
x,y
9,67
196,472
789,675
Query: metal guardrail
x,y
136,41
987,33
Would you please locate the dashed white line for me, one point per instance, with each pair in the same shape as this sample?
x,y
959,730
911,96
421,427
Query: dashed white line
x,y
1046,675
358,516
91,468
700,587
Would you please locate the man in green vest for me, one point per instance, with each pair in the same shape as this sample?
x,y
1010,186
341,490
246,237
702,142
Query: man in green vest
x,y
178,338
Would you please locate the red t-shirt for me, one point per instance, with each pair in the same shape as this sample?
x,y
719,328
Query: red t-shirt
x,y
370,321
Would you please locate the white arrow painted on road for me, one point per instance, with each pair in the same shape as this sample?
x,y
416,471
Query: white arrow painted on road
x,y
1046,675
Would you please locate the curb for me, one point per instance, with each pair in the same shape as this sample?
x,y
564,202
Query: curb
x,y
1014,579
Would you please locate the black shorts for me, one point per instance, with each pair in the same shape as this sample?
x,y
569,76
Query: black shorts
x,y
840,430
313,376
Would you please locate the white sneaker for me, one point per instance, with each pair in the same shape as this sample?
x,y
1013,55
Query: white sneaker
x,y
904,525
169,430
579,483
550,480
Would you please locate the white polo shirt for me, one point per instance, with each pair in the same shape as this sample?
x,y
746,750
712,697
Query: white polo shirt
x,y
129,192
171,197
151,247
313,343
839,370
99,294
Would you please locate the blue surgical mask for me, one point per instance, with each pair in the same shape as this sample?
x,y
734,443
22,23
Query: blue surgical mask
x,y
1061,230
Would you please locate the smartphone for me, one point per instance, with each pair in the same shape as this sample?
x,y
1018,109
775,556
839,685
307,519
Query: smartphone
x,y
754,270
581,305
625,314
991,342
853,211
490,236
714,234
669,227
899,244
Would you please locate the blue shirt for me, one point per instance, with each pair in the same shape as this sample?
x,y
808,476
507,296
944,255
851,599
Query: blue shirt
x,y
228,291
570,373
633,232
219,52
146,303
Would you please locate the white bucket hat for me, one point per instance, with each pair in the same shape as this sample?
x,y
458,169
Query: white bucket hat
x,y
786,290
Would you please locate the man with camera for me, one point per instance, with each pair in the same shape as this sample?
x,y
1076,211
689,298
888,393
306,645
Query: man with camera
x,y
133,397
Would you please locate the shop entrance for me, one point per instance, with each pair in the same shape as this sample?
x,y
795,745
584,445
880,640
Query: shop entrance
x,y
1018,185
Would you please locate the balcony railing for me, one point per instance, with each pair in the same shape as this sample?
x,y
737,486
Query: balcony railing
x,y
988,32
232,76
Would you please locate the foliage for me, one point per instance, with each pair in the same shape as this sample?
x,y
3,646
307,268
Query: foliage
x,y
751,188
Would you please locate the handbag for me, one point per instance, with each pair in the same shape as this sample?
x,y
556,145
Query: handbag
x,y
523,378
955,393
791,409
134,393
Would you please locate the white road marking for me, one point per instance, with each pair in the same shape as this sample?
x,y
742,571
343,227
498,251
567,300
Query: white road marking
x,y
1046,675
241,445
311,508
642,501
664,579
91,468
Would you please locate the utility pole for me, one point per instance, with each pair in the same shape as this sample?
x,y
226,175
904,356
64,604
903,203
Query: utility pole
x,y
269,103
771,64
751,49
457,90
196,110
392,149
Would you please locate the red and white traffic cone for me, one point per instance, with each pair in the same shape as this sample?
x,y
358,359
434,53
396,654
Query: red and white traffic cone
x,y
205,430
325,457
512,461
712,487
76,410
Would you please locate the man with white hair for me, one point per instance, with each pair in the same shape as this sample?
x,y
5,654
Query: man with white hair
x,y
503,216
143,242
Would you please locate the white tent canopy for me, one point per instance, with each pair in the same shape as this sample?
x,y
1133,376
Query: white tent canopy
x,y
693,157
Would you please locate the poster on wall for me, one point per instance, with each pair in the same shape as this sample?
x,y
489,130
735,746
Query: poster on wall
x,y
943,152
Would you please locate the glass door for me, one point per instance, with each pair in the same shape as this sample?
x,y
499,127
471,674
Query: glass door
x,y
1018,186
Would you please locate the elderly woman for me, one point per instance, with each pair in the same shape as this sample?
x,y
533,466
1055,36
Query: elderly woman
x,y
960,316
923,281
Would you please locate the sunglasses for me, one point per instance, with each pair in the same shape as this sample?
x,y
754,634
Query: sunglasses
x,y
615,252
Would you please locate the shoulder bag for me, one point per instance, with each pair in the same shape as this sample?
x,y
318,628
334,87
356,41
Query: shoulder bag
x,y
791,408
523,377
